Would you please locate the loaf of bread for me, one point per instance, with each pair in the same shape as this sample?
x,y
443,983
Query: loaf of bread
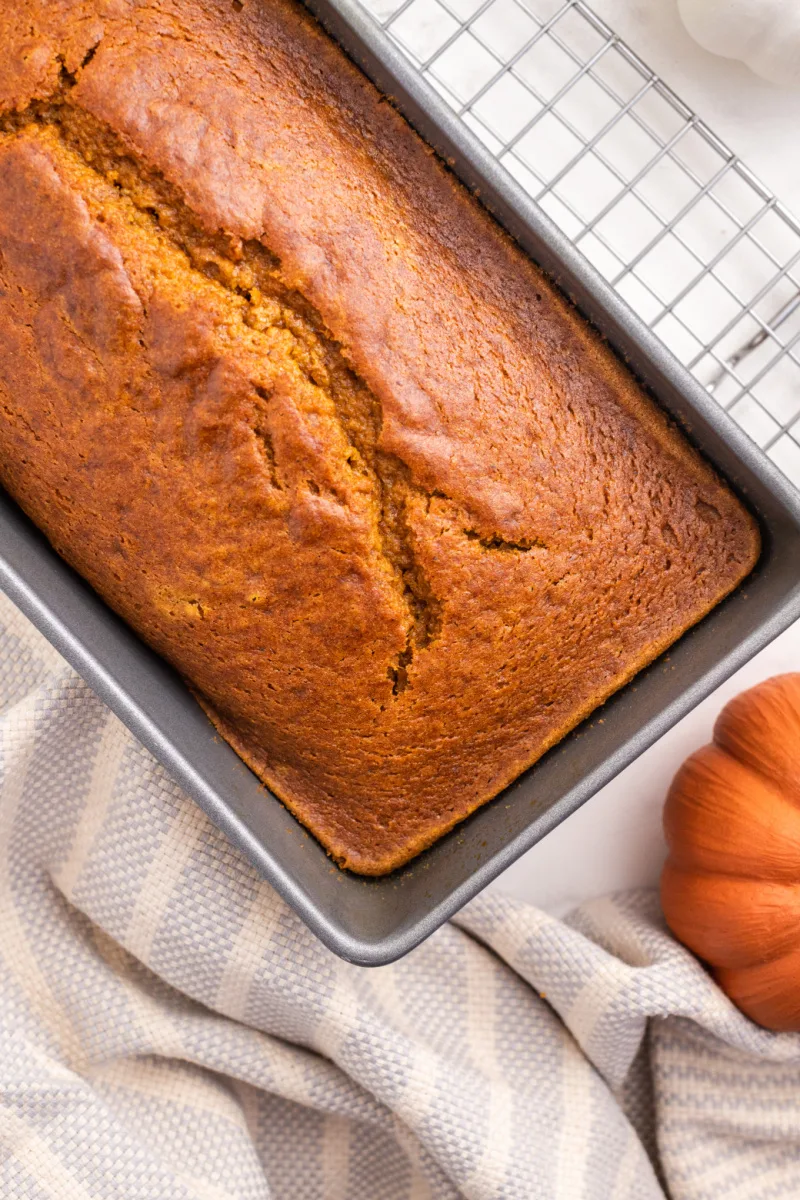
x,y
282,391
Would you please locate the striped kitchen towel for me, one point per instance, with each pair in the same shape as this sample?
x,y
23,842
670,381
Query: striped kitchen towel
x,y
170,1030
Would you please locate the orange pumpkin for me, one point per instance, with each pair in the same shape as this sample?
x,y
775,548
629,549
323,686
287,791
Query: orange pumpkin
x,y
731,886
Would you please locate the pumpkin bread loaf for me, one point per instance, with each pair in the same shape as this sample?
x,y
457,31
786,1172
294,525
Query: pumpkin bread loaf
x,y
283,392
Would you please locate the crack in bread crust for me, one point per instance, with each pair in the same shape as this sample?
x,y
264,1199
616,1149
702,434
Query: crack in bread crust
x,y
248,270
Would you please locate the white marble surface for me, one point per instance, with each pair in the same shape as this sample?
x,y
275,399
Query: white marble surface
x,y
615,840
757,120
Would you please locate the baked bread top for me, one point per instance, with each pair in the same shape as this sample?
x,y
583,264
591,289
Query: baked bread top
x,y
284,393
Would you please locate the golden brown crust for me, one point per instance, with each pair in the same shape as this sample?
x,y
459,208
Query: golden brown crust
x,y
283,392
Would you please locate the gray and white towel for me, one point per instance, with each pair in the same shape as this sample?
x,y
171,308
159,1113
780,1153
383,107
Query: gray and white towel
x,y
170,1030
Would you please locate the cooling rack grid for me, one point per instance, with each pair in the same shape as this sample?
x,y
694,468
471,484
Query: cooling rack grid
x,y
668,214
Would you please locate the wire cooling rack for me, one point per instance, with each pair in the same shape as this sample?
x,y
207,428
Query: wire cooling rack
x,y
703,252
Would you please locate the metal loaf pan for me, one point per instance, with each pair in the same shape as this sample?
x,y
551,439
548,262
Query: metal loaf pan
x,y
373,922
